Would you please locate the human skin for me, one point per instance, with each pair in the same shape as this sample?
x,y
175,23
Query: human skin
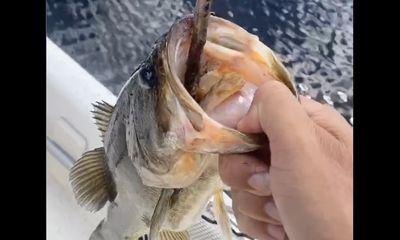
x,y
300,186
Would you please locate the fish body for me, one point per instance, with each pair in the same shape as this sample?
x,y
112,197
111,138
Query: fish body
x,y
158,167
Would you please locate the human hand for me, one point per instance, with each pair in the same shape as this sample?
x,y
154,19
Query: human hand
x,y
301,184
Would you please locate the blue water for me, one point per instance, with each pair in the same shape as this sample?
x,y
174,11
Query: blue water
x,y
314,38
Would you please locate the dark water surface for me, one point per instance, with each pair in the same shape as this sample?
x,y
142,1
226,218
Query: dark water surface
x,y
109,38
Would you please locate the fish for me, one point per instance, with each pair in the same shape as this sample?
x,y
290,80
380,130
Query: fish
x,y
158,166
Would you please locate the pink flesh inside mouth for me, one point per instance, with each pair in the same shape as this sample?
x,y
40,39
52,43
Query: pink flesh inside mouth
x,y
229,49
230,111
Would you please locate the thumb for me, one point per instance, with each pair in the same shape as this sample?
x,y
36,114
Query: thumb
x,y
276,112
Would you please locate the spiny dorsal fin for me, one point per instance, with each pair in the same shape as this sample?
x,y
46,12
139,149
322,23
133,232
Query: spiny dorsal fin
x,y
102,114
221,215
169,235
91,180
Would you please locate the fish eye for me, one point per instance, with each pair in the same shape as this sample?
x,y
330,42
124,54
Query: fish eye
x,y
147,74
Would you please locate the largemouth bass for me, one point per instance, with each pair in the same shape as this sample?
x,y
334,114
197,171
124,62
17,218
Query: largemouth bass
x,y
158,167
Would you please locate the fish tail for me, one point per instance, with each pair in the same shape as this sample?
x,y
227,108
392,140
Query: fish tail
x,y
104,232
97,234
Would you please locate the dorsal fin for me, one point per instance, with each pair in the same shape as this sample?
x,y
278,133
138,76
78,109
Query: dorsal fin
x,y
102,114
91,180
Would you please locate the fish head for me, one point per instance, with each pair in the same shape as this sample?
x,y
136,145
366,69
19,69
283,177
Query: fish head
x,y
176,148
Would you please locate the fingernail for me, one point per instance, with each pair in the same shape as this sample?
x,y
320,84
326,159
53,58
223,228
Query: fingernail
x,y
271,210
276,231
260,182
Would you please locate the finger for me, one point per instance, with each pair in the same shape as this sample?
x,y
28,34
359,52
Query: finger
x,y
256,229
329,119
277,232
253,206
272,211
245,172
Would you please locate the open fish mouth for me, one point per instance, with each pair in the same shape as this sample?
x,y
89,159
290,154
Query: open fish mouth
x,y
233,64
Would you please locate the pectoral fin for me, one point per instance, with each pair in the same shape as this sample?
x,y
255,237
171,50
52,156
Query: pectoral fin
x,y
222,215
169,235
91,180
160,213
